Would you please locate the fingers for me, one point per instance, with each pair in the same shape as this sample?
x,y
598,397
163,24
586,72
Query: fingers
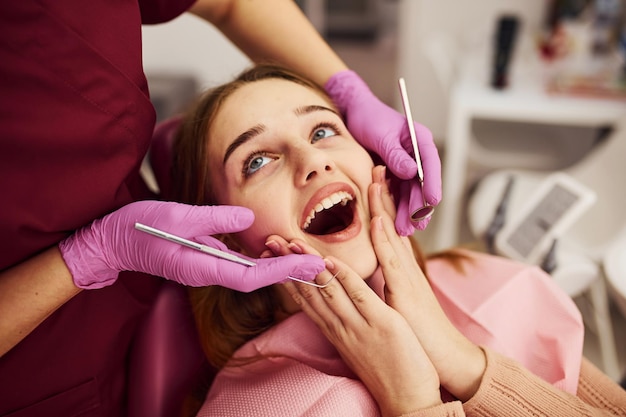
x,y
345,304
214,243
275,270
431,164
267,271
395,258
381,200
416,202
379,177
375,341
222,219
314,302
197,269
411,195
280,246
190,221
400,163
408,199
404,225
351,290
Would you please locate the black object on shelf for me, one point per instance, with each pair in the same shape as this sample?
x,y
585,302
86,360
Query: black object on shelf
x,y
503,50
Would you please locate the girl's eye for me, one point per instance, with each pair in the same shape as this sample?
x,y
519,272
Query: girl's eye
x,y
254,163
323,132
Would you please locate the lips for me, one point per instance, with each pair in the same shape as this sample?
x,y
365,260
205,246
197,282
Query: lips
x,y
331,213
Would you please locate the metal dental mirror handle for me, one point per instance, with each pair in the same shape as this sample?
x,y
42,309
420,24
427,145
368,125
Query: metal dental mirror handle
x,y
423,210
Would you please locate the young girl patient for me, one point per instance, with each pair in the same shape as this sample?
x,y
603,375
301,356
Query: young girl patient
x,y
379,334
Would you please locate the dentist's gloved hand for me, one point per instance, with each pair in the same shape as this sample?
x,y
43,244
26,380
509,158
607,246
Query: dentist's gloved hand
x,y
96,253
383,130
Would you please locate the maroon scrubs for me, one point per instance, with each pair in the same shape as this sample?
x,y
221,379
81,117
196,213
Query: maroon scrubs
x,y
75,123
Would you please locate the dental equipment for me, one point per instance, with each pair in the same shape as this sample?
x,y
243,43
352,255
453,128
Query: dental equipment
x,y
214,252
499,218
552,208
426,210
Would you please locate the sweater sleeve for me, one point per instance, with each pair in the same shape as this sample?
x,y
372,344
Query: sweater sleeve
x,y
509,389
450,409
600,391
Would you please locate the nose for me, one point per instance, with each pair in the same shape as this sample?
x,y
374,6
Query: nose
x,y
312,162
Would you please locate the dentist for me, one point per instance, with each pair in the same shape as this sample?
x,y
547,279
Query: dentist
x,y
75,124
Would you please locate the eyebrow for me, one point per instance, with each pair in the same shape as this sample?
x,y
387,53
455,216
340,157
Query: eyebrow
x,y
300,111
241,139
258,129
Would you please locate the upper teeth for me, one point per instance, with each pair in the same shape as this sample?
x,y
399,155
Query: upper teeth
x,y
333,199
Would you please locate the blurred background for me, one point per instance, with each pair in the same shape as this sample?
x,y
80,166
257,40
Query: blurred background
x,y
509,88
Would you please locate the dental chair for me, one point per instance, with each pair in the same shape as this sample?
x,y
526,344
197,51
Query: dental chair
x,y
167,364
581,248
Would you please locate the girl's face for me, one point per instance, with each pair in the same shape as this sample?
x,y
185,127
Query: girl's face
x,y
280,149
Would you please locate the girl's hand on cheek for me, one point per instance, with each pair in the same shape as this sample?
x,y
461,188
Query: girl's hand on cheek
x,y
375,341
404,279
279,246
459,363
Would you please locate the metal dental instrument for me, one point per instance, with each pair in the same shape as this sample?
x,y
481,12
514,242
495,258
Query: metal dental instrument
x,y
426,210
213,252
193,245
314,284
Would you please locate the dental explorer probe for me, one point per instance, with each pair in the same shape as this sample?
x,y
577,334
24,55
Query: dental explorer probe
x,y
212,251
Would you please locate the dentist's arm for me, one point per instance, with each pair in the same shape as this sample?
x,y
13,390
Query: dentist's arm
x,y
273,30
277,30
93,256
30,292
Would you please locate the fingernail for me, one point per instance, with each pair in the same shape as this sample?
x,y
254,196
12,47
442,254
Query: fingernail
x,y
295,248
378,222
380,174
378,189
329,263
273,245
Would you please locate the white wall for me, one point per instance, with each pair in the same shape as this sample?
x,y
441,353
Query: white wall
x,y
190,46
470,24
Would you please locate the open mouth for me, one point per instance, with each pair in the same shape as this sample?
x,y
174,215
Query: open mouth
x,y
331,215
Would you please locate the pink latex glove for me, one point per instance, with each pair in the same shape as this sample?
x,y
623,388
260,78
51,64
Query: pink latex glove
x,y
384,131
96,253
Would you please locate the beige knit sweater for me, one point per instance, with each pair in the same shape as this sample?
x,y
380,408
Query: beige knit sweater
x,y
509,390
